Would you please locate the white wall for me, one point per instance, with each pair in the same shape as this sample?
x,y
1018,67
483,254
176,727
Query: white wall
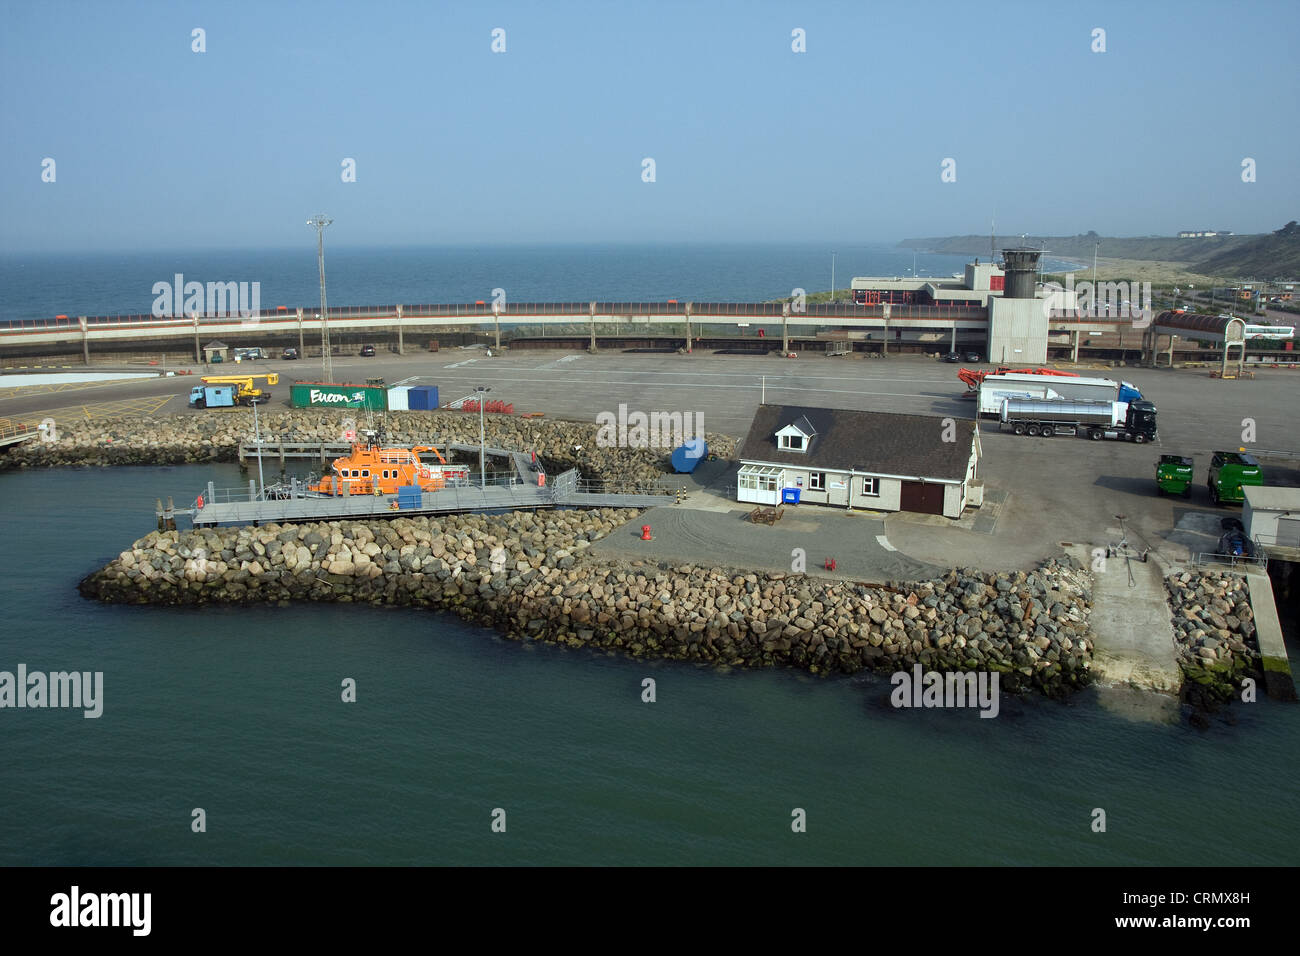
x,y
1017,324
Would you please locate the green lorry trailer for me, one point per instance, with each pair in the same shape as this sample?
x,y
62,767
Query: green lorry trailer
x,y
1174,475
1230,472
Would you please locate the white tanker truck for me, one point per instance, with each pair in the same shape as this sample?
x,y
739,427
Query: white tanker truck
x,y
1129,421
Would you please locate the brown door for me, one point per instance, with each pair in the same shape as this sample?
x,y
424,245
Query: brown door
x,y
922,497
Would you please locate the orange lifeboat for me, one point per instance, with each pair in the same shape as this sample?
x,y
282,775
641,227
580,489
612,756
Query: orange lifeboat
x,y
374,470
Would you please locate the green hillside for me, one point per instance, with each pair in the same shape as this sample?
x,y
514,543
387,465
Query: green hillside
x,y
1160,248
1272,256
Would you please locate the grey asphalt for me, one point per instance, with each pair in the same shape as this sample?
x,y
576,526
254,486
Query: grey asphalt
x,y
1053,491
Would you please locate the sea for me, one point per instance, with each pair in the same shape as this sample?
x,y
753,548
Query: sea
x,y
38,286
464,748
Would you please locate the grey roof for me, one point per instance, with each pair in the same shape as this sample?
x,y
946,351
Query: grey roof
x,y
879,443
1272,498
805,426
214,344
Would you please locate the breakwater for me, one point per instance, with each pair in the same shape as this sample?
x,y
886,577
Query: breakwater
x,y
215,437
531,577
1214,630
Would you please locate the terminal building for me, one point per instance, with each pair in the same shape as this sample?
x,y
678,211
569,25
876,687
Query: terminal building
x,y
1018,313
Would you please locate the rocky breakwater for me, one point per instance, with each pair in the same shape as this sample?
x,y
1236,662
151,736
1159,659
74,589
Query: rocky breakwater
x,y
1214,629
531,576
215,436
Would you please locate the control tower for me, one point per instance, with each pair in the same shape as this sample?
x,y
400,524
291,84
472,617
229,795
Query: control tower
x,y
1021,267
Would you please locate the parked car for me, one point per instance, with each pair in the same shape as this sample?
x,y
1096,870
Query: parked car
x,y
367,350
952,357
289,354
972,356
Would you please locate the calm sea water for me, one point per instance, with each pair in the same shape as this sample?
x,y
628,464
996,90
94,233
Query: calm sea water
x,y
238,711
33,287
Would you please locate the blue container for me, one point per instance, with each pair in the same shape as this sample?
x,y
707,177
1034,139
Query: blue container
x,y
790,496
686,458
409,496
422,398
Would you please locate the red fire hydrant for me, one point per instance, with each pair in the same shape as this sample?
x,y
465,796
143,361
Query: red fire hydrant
x,y
830,564
645,533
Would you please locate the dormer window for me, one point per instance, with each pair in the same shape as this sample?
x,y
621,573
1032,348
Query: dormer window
x,y
797,436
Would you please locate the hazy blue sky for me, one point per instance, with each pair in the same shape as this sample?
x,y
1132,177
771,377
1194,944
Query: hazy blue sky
x,y
158,146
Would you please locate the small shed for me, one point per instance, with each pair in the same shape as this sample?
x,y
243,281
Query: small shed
x,y
216,351
1271,517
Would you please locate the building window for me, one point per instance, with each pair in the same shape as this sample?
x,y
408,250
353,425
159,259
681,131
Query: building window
x,y
871,487
817,481
792,442
758,482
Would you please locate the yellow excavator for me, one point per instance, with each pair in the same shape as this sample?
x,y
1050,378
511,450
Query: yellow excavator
x,y
225,391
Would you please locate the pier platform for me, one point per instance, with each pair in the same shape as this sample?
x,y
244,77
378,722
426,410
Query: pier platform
x,y
1279,683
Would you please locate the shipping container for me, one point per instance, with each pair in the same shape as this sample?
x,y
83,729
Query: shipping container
x,y
327,395
398,398
423,398
1072,388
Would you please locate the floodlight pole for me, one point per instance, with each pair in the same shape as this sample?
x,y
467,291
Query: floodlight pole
x,y
327,363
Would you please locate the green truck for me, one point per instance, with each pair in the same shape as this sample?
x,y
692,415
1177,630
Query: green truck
x,y
1230,471
1174,475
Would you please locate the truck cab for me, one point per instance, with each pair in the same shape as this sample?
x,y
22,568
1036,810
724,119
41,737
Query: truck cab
x,y
1141,421
1230,472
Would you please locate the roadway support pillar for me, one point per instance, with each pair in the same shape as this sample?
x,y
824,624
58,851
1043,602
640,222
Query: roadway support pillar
x,y
85,340
400,344
785,329
1171,350
198,353
593,327
953,348
688,328
302,348
1074,348
496,325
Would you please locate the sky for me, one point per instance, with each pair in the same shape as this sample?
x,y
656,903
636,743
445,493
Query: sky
x,y
155,145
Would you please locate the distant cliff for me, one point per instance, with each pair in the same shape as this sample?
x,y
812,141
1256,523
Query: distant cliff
x,y
1161,248
1273,255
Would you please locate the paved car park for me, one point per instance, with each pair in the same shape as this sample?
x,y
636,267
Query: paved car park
x,y
1042,491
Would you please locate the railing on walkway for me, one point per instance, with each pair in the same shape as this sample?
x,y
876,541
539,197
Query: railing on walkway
x,y
508,310
1208,558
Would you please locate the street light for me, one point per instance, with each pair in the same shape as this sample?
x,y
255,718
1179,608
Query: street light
x,y
482,443
257,435
327,362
